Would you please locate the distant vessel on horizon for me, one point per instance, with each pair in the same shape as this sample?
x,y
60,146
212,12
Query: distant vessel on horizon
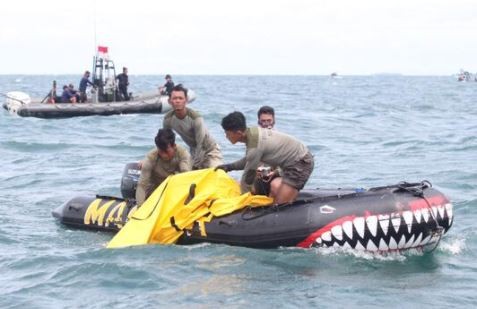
x,y
465,76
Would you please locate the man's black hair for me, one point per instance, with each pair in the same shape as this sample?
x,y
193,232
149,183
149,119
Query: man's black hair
x,y
266,110
234,121
165,138
179,87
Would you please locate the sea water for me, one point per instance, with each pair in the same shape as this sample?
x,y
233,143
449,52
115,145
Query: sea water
x,y
364,131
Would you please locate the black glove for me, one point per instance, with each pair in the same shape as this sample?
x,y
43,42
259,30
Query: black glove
x,y
225,167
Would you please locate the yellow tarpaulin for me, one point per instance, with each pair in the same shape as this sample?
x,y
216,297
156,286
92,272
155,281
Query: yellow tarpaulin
x,y
215,194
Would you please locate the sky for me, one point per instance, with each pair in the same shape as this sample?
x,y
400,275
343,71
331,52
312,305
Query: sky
x,y
229,37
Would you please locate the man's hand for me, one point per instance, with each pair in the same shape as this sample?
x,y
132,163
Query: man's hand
x,y
225,167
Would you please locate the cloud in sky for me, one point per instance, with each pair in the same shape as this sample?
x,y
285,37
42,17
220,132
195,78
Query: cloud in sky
x,y
241,36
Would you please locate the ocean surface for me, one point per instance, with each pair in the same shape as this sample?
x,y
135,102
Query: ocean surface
x,y
364,131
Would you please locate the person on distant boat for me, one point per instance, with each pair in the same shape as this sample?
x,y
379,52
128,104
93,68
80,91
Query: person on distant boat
x,y
270,147
190,126
83,85
67,96
268,178
165,160
51,96
167,88
123,83
74,92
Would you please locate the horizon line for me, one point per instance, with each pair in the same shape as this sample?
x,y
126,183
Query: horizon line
x,y
243,74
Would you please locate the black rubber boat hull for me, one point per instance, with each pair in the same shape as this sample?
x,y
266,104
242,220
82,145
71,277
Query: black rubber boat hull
x,y
379,219
87,109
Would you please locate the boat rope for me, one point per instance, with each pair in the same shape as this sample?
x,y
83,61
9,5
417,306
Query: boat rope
x,y
418,190
403,185
265,210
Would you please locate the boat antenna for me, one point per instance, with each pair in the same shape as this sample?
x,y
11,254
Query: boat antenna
x,y
94,25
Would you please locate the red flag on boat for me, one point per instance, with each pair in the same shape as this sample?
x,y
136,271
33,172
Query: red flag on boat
x,y
102,49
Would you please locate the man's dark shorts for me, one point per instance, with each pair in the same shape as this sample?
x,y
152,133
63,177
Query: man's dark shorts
x,y
297,174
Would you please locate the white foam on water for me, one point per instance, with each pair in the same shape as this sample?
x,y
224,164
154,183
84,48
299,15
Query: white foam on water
x,y
454,247
366,255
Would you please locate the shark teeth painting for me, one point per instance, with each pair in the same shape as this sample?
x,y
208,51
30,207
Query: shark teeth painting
x,y
386,232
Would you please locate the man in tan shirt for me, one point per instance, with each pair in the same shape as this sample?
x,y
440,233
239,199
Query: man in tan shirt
x,y
270,147
165,160
190,126
268,177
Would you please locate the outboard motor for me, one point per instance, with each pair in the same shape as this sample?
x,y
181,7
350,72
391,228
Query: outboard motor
x,y
15,99
129,180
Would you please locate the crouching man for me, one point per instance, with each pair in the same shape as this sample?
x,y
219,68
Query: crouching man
x,y
167,159
272,148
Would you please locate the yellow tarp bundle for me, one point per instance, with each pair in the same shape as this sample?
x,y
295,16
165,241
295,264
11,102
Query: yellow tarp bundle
x,y
216,194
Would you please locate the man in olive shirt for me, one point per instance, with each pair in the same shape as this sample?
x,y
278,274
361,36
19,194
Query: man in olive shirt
x,y
270,147
167,159
190,126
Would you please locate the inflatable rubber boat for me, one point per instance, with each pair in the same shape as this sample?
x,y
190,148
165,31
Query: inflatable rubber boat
x,y
20,103
104,100
387,218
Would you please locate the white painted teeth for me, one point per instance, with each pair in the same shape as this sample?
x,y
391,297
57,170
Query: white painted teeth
x,y
344,235
441,211
407,215
359,225
371,246
418,240
337,232
425,214
396,223
384,223
392,244
409,242
359,247
426,240
418,215
383,246
402,242
372,223
348,229
346,245
448,208
326,236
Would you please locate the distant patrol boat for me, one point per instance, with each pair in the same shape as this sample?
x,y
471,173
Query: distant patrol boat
x,y
104,100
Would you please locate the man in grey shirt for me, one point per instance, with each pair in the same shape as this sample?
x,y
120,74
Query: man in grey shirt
x,y
165,160
268,177
270,147
190,126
